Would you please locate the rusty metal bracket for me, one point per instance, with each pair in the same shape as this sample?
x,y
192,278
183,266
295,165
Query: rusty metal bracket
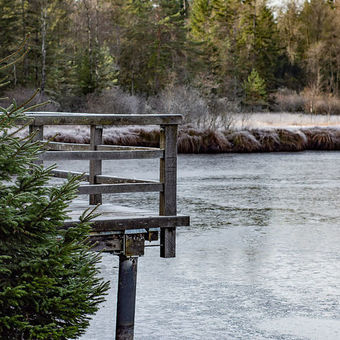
x,y
133,245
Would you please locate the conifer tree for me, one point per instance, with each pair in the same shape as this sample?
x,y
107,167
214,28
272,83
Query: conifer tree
x,y
255,90
48,277
154,46
258,42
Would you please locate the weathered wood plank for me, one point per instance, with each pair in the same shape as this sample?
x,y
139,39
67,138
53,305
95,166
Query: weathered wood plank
x,y
96,138
129,223
119,188
99,155
59,146
125,148
168,176
65,118
65,174
102,179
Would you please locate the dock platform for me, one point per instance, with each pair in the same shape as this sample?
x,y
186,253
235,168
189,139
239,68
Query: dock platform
x,y
119,230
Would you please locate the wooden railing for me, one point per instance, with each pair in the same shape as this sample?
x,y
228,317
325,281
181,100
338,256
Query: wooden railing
x,y
96,152
124,236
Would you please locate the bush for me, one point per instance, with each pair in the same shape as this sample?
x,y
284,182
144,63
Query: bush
x,y
21,94
307,101
181,100
288,101
117,101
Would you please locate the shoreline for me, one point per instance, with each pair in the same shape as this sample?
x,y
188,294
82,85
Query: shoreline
x,y
196,141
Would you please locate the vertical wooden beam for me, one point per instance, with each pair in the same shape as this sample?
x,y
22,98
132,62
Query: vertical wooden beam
x,y
167,199
126,302
39,135
96,138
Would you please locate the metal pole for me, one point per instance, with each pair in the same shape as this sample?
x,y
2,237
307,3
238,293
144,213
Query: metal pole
x,y
127,282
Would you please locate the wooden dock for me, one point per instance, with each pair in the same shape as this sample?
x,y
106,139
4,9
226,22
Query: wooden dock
x,y
120,230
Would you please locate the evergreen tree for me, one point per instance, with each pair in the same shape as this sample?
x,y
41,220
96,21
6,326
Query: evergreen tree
x,y
255,90
48,277
258,44
154,46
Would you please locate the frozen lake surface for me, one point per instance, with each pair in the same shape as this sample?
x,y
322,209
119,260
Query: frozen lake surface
x,y
261,259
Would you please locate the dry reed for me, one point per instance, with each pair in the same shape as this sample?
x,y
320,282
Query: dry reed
x,y
243,141
320,139
291,140
193,140
268,139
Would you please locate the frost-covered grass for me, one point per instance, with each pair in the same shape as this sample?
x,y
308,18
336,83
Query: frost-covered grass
x,y
205,140
283,120
258,132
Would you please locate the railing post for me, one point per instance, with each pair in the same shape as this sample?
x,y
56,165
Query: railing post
x,y
127,283
168,176
96,138
39,131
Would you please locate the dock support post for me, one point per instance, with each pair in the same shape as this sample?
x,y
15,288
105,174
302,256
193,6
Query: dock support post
x,y
127,283
96,138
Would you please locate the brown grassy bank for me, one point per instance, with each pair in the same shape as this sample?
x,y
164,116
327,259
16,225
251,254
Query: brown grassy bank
x,y
193,140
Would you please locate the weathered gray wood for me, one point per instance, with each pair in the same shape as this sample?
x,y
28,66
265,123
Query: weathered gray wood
x,y
96,138
102,179
59,146
66,174
39,135
125,148
168,176
96,152
96,189
130,223
38,130
99,155
63,118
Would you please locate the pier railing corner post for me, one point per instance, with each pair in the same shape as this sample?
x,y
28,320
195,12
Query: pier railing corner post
x,y
168,176
96,138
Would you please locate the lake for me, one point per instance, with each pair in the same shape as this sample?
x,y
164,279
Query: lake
x,y
261,259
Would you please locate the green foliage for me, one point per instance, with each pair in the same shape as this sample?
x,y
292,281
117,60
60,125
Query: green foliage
x,y
48,277
255,89
142,46
97,77
155,48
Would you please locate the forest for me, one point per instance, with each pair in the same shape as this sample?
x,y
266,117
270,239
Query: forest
x,y
196,57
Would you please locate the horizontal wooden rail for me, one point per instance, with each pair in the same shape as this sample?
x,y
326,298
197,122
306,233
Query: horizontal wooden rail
x,y
62,118
122,224
119,188
66,174
95,152
99,155
100,179
58,146
125,148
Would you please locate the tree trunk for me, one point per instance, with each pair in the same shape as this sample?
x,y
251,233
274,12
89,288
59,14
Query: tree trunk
x,y
43,49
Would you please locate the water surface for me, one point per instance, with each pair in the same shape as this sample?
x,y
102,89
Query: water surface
x,y
261,259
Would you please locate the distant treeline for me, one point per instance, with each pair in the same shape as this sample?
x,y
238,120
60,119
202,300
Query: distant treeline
x,y
236,49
